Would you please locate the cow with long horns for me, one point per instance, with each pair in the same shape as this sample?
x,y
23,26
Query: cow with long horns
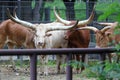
x,y
15,35
41,29
49,27
105,37
80,38
45,35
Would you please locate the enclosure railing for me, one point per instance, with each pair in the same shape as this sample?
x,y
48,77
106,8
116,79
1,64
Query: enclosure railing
x,y
67,51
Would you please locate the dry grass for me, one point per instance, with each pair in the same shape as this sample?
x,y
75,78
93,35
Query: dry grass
x,y
21,74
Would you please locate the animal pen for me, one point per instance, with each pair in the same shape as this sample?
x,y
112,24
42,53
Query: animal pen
x,y
67,51
25,12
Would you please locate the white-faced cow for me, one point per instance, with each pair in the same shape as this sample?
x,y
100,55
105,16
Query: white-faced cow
x,y
55,25
45,36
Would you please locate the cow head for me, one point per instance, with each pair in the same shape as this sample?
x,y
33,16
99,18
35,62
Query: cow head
x,y
40,29
102,37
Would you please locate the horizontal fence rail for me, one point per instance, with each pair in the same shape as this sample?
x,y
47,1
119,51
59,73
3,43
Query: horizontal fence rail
x,y
56,51
67,51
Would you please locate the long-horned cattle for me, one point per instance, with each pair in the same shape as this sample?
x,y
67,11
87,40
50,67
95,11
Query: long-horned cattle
x,y
115,36
15,35
105,37
45,36
79,38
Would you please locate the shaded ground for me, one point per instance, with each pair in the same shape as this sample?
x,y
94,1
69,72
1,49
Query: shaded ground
x,y
21,74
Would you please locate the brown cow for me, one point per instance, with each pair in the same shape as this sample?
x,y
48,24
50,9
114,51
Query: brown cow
x,y
13,34
42,29
77,39
45,36
105,37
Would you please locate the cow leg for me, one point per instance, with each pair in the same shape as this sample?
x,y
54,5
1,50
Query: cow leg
x,y
1,46
78,59
110,58
11,46
58,61
46,66
44,61
63,61
83,60
118,57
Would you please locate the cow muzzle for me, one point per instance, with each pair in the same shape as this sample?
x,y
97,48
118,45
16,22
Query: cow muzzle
x,y
40,45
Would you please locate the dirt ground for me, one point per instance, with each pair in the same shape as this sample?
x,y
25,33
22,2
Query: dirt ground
x,y
8,74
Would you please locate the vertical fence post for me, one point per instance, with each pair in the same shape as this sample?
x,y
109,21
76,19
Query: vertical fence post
x,y
3,12
19,8
47,14
33,67
69,68
103,58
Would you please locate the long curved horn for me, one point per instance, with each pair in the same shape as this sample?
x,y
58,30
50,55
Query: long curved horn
x,y
105,28
60,19
24,23
89,20
14,12
51,28
79,23
106,24
88,28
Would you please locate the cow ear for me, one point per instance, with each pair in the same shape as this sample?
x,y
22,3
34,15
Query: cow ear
x,y
48,35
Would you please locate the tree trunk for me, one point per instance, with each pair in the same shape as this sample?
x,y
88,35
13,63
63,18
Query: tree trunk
x,y
37,9
70,13
89,8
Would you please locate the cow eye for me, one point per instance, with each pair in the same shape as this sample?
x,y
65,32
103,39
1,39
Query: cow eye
x,y
48,35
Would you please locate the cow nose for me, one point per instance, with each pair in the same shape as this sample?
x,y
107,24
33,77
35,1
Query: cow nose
x,y
40,43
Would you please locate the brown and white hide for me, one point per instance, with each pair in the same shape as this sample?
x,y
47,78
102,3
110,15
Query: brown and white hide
x,y
15,35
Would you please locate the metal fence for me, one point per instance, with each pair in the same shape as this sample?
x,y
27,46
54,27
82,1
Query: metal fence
x,y
67,51
25,12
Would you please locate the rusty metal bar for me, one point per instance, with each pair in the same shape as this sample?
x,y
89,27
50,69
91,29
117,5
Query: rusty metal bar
x,y
67,51
33,67
69,68
103,58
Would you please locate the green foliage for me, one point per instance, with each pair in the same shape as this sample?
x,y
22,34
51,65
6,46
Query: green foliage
x,y
112,9
21,64
79,8
107,71
33,4
51,63
77,64
90,0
